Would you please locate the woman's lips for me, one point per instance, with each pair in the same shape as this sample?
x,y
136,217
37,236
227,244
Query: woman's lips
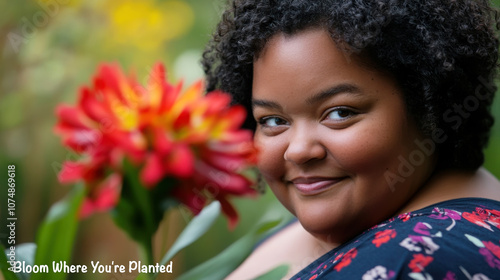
x,y
312,186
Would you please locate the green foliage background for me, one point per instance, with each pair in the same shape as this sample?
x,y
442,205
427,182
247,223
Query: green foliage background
x,y
49,48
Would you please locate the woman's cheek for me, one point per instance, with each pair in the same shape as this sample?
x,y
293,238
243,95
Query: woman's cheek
x,y
271,162
268,154
363,150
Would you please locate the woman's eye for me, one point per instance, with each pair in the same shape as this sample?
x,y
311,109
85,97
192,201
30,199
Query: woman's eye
x,y
340,114
272,122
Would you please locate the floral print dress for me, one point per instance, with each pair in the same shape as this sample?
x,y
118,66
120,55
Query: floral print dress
x,y
455,239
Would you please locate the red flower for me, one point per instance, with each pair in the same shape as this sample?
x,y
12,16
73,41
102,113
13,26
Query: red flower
x,y
494,217
384,236
419,262
346,259
338,257
165,132
102,197
484,217
404,217
493,248
450,276
491,254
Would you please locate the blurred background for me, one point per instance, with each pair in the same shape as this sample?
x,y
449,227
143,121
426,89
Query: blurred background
x,y
49,48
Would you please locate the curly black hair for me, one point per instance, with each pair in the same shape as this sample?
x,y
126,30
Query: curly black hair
x,y
442,53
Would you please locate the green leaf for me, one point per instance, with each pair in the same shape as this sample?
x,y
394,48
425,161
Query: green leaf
x,y
25,252
276,273
228,260
194,230
57,232
223,264
476,241
4,265
143,276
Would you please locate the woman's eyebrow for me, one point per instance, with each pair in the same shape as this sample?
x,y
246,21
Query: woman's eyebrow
x,y
317,98
325,94
265,104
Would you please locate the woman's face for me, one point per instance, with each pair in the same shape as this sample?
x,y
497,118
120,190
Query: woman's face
x,y
334,138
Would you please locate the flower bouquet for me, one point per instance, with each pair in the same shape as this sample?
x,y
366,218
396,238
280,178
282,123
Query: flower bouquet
x,y
144,150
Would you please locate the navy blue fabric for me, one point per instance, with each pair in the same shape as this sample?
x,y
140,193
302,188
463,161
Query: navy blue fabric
x,y
455,239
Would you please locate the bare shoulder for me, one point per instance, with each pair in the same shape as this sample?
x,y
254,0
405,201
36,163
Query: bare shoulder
x,y
491,184
478,184
293,246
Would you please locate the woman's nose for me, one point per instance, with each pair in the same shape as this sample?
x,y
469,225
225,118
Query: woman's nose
x,y
304,146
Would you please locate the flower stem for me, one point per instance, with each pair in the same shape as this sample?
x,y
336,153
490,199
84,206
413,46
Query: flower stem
x,y
147,251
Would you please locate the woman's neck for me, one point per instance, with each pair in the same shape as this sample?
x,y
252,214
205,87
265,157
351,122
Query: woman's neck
x,y
446,185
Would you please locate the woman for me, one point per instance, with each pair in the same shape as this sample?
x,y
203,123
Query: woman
x,y
371,118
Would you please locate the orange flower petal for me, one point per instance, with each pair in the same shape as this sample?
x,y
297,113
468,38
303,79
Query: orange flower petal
x,y
195,201
229,211
170,95
87,208
161,143
71,172
237,115
182,120
81,140
228,182
109,193
180,162
108,81
94,108
153,171
218,102
155,93
107,196
70,117
131,143
225,162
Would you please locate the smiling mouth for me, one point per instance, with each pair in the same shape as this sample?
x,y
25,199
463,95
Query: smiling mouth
x,y
313,186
